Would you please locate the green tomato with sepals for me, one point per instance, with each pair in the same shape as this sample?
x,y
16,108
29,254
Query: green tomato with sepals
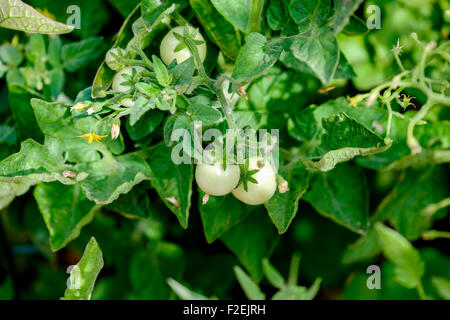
x,y
169,44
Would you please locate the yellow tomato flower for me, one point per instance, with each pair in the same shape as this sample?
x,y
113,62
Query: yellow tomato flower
x,y
92,137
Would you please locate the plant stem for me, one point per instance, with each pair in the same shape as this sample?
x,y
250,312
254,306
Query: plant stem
x,y
434,234
421,292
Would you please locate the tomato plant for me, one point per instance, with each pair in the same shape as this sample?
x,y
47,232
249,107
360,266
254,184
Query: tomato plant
x,y
274,129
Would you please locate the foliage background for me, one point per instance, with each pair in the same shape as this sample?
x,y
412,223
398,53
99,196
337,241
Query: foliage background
x,y
143,243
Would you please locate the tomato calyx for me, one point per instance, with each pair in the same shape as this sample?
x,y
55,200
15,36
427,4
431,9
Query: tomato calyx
x,y
247,175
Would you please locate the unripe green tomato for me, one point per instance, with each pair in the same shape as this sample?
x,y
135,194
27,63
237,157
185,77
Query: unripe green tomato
x,y
169,43
112,58
258,193
213,180
120,78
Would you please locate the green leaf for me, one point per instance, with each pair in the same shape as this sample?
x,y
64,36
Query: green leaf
x,y
7,135
256,56
415,190
150,268
146,124
207,115
16,15
355,27
329,195
125,7
251,289
154,10
133,205
409,267
365,248
162,74
310,14
277,14
8,191
64,215
183,292
220,214
320,51
343,71
272,275
217,28
343,139
31,165
113,176
343,9
140,107
25,120
237,12
84,273
63,133
172,182
183,73
78,54
282,207
251,240
10,55
442,285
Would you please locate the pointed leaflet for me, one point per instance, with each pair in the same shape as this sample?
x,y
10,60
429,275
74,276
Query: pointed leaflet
x,y
252,240
256,56
310,14
320,51
329,195
344,139
31,165
217,28
153,10
19,97
113,176
220,214
14,14
84,273
365,248
8,191
65,210
133,205
335,132
183,292
234,11
282,207
172,182
78,54
251,289
343,9
415,190
409,267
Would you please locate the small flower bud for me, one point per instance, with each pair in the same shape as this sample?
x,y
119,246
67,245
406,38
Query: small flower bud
x,y
115,130
90,111
283,185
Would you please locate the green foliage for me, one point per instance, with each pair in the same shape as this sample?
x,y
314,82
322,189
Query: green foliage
x,y
84,273
363,142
